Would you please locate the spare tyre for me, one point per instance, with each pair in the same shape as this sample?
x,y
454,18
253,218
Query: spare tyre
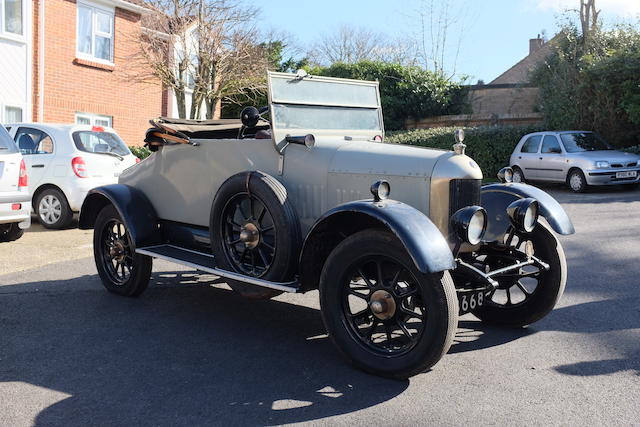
x,y
255,231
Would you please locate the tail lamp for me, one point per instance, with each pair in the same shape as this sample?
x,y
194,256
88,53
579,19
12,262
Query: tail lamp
x,y
23,181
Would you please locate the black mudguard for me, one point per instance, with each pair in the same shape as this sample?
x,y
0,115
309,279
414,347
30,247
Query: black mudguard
x,y
496,197
134,208
424,242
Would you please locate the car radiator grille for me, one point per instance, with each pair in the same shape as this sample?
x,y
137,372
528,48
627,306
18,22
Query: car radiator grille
x,y
463,193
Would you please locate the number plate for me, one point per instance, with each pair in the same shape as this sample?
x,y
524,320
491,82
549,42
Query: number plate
x,y
627,174
470,300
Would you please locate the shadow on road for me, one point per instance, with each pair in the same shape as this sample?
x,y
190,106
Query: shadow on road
x,y
177,355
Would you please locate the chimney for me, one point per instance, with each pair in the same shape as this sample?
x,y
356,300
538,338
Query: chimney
x,y
535,44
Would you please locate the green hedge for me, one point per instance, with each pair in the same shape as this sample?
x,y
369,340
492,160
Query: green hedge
x,y
491,146
139,151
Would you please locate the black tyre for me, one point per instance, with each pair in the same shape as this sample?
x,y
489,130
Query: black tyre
x,y
518,175
52,209
520,301
255,231
382,313
10,232
576,181
122,271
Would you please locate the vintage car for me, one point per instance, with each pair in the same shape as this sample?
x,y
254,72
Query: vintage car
x,y
278,202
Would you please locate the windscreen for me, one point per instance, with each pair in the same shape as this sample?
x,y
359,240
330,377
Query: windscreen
x,y
583,141
100,142
7,145
312,117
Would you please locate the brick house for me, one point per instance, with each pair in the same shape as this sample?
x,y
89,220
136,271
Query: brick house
x,y
77,55
508,99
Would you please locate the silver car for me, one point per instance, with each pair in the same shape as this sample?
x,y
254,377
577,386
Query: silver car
x,y
277,202
578,158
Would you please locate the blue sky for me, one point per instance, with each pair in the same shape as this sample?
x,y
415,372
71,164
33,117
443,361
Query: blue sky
x,y
493,34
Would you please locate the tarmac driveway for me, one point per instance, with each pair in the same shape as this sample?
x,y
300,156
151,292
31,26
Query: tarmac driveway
x,y
190,352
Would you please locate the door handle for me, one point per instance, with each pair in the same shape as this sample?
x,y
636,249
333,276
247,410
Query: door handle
x,y
520,157
37,166
540,158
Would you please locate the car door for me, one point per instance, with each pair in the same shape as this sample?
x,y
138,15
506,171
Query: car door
x,y
528,157
552,159
37,151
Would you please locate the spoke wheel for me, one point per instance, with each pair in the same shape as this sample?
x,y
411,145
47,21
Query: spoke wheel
x,y
117,256
383,306
526,296
255,231
121,270
383,314
249,235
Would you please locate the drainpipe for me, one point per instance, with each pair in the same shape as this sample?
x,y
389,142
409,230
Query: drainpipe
x,y
41,61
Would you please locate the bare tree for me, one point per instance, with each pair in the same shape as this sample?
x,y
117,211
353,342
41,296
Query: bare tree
x,y
353,44
438,46
588,18
205,48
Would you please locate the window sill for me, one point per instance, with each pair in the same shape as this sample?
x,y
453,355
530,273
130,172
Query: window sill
x,y
18,38
94,64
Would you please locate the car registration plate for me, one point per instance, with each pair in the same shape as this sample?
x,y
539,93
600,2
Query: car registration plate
x,y
470,300
627,174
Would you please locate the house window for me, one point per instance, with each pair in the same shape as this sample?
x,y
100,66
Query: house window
x,y
95,32
12,16
12,114
93,119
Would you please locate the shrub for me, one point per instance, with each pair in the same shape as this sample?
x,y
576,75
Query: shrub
x,y
594,85
140,152
490,146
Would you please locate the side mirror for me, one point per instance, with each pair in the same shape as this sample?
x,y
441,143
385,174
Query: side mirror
x,y
250,116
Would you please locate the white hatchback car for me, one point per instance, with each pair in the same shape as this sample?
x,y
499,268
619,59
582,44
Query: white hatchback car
x,y
64,162
15,209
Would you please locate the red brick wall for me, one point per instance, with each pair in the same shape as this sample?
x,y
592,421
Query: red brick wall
x,y
72,86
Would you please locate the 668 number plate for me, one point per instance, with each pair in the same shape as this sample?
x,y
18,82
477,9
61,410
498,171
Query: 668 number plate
x,y
470,300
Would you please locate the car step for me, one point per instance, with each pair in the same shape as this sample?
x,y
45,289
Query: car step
x,y
206,262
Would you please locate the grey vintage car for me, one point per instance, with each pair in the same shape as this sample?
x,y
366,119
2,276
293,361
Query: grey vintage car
x,y
578,158
279,202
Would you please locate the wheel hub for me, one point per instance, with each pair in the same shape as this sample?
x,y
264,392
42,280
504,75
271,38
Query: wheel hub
x,y
117,251
382,305
250,235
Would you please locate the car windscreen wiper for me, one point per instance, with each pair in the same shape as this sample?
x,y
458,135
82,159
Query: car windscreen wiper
x,y
111,154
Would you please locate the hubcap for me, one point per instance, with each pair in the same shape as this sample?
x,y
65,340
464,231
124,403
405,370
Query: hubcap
x,y
250,235
576,182
382,305
50,209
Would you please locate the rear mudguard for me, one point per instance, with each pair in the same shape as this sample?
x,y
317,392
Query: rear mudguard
x,y
496,197
134,208
424,242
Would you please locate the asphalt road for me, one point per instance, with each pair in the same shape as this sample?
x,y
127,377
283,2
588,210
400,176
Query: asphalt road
x,y
190,352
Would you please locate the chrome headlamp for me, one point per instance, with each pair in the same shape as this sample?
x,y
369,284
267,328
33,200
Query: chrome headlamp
x,y
380,190
469,224
505,175
523,214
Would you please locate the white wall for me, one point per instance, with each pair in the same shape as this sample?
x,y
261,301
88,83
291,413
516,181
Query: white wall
x,y
15,68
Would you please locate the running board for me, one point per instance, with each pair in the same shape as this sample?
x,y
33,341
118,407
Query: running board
x,y
206,262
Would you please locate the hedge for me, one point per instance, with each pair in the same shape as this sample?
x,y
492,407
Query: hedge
x,y
489,146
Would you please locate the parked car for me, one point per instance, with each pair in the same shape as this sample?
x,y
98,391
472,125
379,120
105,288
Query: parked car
x,y
66,161
15,208
577,158
281,205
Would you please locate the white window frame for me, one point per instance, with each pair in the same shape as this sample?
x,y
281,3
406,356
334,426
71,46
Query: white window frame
x,y
4,112
13,36
93,117
94,7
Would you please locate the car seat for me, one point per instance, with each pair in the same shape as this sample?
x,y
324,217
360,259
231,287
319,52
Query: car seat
x,y
26,144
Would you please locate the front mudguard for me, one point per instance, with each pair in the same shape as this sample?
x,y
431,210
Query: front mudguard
x,y
134,208
496,197
424,242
